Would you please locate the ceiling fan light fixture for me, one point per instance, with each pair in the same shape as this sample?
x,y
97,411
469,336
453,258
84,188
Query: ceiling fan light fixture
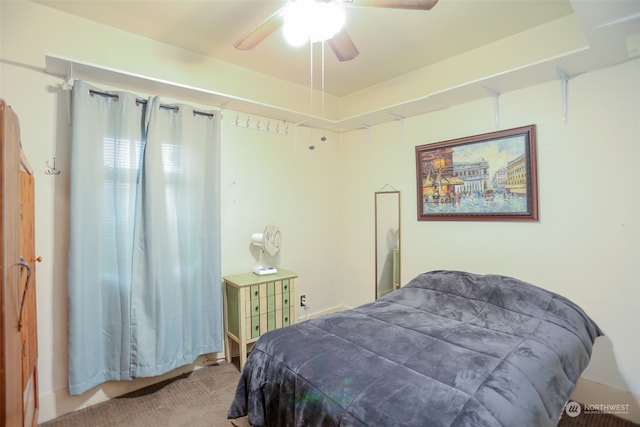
x,y
329,19
310,20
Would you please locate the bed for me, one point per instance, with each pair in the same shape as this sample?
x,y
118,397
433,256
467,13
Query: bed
x,y
450,348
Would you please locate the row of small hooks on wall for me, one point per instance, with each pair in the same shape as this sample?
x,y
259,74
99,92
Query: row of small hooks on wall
x,y
272,126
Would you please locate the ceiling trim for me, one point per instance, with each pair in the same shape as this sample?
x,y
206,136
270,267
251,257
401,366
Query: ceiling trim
x,y
70,69
577,43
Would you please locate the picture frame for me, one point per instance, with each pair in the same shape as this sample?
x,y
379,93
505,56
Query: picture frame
x,y
487,177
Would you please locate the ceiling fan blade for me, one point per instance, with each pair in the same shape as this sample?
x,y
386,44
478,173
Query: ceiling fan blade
x,y
393,4
260,32
343,46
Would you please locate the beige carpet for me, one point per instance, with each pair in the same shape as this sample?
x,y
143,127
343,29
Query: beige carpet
x,y
201,399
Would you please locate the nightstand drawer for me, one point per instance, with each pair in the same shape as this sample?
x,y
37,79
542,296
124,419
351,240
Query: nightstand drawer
x,y
258,325
255,307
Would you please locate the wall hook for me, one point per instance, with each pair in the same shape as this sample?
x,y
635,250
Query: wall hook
x,y
261,124
51,170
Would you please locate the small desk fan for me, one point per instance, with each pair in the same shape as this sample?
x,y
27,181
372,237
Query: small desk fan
x,y
269,241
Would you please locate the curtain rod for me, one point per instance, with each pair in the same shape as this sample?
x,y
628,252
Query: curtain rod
x,y
144,101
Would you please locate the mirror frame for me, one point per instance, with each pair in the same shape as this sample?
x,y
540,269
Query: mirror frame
x,y
396,285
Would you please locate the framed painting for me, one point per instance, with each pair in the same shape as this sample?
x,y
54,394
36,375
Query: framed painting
x,y
483,177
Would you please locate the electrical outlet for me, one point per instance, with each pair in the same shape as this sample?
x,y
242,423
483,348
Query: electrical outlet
x,y
303,300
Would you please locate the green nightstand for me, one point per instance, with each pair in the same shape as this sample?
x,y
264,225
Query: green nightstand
x,y
256,304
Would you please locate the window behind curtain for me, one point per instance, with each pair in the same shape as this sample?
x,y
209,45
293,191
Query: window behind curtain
x,y
135,209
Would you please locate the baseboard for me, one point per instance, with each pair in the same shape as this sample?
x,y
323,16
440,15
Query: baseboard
x,y
621,403
58,403
310,314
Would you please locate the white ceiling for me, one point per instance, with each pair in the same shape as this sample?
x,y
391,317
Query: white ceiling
x,y
392,42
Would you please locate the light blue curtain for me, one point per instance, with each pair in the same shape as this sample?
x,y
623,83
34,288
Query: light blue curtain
x,y
144,290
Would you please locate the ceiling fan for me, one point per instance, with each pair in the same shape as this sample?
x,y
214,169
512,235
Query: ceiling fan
x,y
341,43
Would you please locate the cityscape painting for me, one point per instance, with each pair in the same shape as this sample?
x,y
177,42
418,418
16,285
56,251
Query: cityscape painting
x,y
484,177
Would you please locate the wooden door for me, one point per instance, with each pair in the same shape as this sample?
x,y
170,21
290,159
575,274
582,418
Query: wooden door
x,y
18,326
11,362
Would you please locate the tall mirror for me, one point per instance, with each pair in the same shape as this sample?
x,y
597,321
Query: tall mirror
x,y
387,222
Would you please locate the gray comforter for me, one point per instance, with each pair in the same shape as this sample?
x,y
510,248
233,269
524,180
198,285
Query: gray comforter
x,y
448,349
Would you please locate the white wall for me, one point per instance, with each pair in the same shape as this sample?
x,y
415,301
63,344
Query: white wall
x,y
582,247
585,245
266,178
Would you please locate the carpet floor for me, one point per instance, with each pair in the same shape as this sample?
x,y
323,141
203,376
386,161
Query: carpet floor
x,y
201,399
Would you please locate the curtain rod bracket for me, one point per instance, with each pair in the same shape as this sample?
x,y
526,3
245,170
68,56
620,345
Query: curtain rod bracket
x,y
67,86
68,80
